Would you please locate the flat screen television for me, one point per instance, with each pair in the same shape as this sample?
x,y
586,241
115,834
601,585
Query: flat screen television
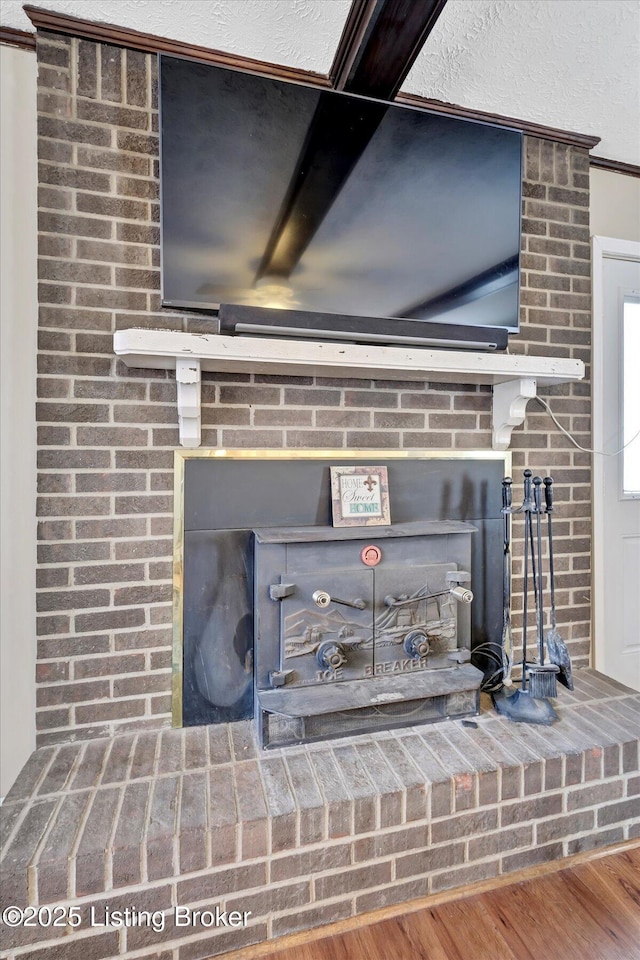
x,y
316,211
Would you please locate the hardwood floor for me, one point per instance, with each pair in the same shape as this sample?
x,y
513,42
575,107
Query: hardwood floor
x,y
590,911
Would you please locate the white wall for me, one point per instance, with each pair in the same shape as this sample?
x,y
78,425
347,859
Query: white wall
x,y
18,340
615,205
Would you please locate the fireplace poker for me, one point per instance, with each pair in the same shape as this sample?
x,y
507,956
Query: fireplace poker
x,y
542,676
556,647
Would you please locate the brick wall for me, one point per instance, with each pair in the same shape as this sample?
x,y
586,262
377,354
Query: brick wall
x,y
106,433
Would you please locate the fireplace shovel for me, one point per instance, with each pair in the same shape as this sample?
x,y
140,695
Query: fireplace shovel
x,y
521,707
556,647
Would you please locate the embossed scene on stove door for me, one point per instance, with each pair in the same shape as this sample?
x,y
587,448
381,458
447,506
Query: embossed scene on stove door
x,y
327,627
415,618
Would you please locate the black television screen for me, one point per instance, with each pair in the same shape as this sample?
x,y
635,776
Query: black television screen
x,y
276,194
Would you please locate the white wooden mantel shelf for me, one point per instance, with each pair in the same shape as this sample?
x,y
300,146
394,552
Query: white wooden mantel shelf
x,y
515,379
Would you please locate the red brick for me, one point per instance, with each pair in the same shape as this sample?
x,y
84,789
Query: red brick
x,y
111,482
109,573
73,178
142,639
115,710
71,600
110,73
194,847
370,398
109,620
145,684
359,440
101,947
47,625
162,825
614,812
127,852
222,882
107,666
136,78
348,880
52,865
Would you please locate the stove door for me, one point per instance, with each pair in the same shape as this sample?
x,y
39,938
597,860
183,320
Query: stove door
x,y
413,632
323,640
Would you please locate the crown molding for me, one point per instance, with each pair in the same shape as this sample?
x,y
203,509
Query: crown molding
x,y
616,166
150,43
17,38
527,126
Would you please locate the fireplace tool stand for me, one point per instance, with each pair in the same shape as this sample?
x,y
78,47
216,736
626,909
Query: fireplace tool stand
x,y
527,704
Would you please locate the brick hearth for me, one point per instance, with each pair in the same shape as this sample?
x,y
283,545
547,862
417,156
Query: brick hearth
x,y
306,836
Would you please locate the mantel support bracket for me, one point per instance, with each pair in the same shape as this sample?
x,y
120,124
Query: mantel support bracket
x,y
509,408
509,405
188,380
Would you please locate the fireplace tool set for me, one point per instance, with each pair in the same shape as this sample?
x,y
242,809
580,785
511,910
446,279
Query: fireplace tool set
x,y
531,701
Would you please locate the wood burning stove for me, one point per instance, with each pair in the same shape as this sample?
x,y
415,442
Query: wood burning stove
x,y
359,629
229,494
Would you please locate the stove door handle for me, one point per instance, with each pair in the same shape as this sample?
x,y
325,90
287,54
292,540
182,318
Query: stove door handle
x,y
322,599
458,593
390,601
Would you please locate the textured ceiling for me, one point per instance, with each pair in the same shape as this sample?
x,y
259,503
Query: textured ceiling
x,y
573,64
298,33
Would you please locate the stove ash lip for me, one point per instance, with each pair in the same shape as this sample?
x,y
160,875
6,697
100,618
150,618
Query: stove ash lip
x,y
386,697
301,702
355,707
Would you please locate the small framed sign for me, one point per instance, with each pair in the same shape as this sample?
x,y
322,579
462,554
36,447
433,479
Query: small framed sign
x,y
360,496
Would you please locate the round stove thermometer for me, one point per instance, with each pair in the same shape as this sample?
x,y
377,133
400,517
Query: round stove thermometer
x,y
371,555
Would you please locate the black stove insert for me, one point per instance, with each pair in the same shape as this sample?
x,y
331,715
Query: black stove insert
x,y
359,630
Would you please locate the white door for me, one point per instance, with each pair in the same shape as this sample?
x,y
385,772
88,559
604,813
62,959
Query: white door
x,y
616,405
